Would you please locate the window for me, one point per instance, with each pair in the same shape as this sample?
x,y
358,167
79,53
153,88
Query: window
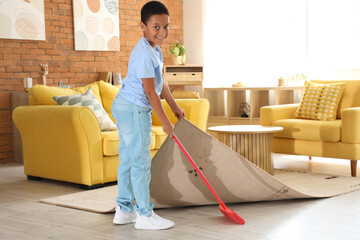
x,y
258,41
333,34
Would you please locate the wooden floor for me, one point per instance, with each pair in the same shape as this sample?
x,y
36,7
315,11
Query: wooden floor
x,y
23,217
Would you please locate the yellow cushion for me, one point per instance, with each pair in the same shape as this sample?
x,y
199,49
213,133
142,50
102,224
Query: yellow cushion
x,y
94,86
110,143
42,95
306,129
173,119
32,99
160,136
350,96
152,143
185,94
108,93
320,101
196,111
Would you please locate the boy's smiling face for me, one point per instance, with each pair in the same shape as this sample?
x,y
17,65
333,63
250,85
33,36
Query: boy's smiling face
x,y
157,29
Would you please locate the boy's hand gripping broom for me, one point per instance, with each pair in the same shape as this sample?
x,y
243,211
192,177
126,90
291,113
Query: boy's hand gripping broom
x,y
225,210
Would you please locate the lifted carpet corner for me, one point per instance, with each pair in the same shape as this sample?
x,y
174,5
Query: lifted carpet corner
x,y
174,181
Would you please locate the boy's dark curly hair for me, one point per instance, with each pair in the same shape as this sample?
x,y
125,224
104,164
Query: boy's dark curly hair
x,y
152,8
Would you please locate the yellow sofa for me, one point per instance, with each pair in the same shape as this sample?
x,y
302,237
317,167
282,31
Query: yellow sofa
x,y
334,139
65,142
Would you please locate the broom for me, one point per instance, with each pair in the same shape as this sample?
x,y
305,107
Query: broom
x,y
225,210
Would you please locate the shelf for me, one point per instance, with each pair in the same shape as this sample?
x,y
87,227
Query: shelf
x,y
230,103
239,118
183,68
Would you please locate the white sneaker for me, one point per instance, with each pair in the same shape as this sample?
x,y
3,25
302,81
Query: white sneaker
x,y
154,222
122,217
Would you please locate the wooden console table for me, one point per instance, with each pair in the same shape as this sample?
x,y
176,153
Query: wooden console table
x,y
253,142
18,98
184,75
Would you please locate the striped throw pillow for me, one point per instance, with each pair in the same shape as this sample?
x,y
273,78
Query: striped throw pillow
x,y
89,100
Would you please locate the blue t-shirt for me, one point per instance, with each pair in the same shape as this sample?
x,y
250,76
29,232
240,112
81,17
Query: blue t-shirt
x,y
145,62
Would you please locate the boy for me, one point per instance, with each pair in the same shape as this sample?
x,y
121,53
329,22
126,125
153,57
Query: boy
x,y
132,112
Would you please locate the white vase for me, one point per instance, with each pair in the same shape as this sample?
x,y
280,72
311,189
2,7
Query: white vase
x,y
27,83
183,59
179,60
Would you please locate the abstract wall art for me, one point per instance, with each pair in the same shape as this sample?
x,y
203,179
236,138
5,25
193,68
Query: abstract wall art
x,y
96,25
22,19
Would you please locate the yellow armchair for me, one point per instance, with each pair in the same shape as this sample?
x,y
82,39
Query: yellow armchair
x,y
351,125
333,139
65,142
61,142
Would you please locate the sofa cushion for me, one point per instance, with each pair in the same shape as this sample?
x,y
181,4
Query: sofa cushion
x,y
350,96
306,129
42,95
320,101
95,89
196,111
108,93
160,136
89,100
183,94
110,143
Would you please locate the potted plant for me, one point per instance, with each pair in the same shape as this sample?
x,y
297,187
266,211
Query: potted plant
x,y
178,53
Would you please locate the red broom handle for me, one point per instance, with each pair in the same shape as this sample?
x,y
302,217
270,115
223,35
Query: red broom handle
x,y
197,169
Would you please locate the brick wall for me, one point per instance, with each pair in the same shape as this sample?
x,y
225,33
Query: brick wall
x,y
76,68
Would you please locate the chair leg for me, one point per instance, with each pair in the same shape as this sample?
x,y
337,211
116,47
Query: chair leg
x,y
310,157
353,165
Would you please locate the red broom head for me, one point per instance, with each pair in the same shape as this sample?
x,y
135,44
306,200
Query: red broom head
x,y
231,214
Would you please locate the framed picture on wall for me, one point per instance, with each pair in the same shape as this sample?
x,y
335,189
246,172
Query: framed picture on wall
x,y
22,19
96,25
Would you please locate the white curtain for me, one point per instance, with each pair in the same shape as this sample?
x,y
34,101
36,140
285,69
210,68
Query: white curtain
x,y
333,35
258,41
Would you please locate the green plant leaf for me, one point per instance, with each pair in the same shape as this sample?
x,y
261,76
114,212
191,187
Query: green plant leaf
x,y
176,50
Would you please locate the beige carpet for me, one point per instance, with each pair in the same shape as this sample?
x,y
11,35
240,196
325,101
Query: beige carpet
x,y
174,182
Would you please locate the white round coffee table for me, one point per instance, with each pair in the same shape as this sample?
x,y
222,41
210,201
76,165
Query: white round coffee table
x,y
253,142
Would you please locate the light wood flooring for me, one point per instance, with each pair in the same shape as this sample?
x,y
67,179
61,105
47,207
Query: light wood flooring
x,y
23,217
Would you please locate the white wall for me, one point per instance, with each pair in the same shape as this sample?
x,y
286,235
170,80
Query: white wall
x,y
193,31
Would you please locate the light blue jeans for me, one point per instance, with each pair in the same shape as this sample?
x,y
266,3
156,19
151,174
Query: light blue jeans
x,y
134,127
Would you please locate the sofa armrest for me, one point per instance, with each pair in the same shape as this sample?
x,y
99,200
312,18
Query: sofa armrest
x,y
350,125
61,142
196,111
269,114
